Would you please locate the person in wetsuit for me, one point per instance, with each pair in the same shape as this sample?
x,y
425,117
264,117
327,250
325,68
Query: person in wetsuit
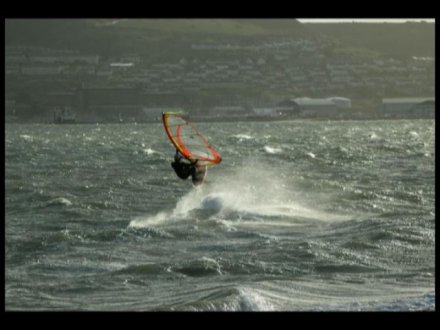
x,y
184,170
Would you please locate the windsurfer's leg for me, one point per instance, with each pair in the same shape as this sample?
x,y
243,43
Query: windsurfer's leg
x,y
199,175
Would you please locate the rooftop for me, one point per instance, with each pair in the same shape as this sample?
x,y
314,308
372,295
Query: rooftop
x,y
408,99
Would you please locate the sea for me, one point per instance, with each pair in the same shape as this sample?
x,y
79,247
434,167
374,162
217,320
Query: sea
x,y
300,215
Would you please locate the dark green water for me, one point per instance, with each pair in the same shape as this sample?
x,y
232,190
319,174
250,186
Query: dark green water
x,y
299,216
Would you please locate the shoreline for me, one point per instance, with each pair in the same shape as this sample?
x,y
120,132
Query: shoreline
x,y
231,119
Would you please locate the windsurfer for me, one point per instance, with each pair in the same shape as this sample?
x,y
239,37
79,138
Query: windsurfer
x,y
184,169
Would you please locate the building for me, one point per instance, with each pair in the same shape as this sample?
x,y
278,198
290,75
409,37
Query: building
x,y
288,107
306,106
316,107
65,116
265,112
412,106
341,102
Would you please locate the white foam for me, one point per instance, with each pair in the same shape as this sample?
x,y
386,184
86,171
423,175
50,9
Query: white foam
x,y
242,137
210,261
272,150
188,202
27,137
149,151
255,196
251,300
143,221
60,201
212,202
373,136
414,134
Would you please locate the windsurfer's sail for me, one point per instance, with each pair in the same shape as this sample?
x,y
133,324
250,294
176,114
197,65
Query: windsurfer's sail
x,y
188,140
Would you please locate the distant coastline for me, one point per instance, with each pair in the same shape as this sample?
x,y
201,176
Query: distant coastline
x,y
232,119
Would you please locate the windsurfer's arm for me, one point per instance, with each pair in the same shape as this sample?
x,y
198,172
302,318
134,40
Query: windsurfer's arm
x,y
177,156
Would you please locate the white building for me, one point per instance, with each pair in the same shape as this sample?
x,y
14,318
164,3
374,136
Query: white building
x,y
265,112
316,107
408,106
341,102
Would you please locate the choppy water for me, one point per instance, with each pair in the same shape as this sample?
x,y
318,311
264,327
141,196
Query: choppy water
x,y
299,216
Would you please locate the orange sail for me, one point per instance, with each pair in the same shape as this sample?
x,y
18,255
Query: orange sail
x,y
188,140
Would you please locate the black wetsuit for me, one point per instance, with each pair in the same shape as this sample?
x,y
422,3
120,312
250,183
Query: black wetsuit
x,y
184,170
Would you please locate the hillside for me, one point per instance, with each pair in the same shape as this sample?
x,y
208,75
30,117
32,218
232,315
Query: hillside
x,y
110,36
219,27
395,40
199,63
157,37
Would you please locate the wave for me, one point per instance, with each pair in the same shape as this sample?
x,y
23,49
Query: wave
x,y
142,269
58,201
228,299
276,297
200,267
